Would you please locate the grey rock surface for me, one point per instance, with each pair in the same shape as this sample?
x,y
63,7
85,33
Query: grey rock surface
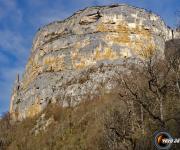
x,y
79,58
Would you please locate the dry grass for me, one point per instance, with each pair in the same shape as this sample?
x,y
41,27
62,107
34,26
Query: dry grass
x,y
85,127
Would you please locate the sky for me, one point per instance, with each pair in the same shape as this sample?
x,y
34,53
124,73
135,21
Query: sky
x,y
20,20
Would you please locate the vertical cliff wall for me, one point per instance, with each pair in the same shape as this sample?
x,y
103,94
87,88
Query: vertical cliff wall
x,y
65,64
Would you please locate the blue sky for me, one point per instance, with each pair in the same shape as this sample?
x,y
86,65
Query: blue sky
x,y
20,19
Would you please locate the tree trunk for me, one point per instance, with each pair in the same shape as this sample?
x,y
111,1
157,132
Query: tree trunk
x,y
161,109
177,83
142,119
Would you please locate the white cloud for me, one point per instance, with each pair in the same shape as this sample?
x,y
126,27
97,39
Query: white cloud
x,y
106,2
56,11
3,59
37,2
9,9
48,15
11,40
13,44
7,78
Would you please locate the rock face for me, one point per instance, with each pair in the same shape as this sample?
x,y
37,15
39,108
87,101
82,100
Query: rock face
x,y
77,59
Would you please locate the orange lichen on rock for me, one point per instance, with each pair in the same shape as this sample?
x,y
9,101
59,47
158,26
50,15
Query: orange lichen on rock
x,y
142,44
80,61
81,64
107,53
34,68
33,109
54,63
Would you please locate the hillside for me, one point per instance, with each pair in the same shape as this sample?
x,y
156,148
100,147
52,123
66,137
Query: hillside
x,y
126,119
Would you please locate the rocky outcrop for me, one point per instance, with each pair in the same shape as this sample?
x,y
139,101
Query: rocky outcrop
x,y
42,124
78,59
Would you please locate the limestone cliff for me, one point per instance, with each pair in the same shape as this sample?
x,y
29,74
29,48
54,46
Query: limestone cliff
x,y
77,59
